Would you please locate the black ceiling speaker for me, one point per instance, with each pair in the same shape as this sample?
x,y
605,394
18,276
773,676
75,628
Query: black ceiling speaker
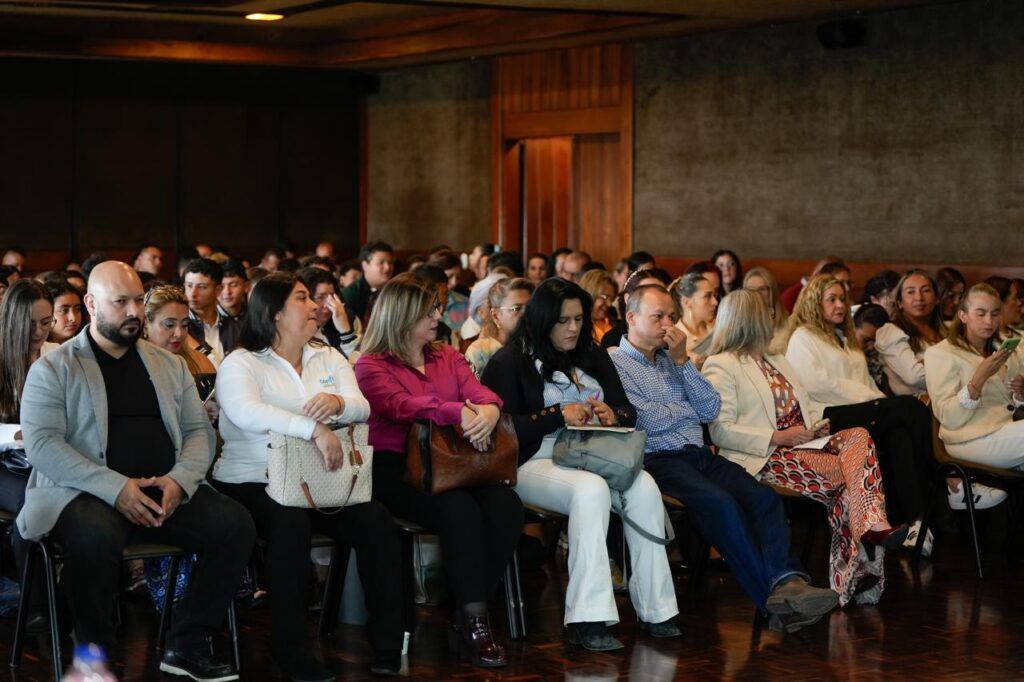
x,y
841,35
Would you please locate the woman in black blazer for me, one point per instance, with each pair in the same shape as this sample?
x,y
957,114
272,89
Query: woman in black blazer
x,y
550,375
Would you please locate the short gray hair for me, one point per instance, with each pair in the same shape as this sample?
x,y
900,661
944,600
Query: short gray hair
x,y
637,297
743,324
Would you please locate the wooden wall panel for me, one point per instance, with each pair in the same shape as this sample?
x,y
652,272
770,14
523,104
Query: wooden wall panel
x,y
584,93
547,199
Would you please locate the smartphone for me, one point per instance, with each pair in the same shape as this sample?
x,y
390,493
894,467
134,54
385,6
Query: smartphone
x,y
820,424
1010,344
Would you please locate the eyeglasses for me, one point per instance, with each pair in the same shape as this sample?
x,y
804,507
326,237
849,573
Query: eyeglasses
x,y
603,297
438,308
513,308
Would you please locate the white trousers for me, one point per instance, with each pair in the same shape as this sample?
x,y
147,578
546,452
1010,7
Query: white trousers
x,y
586,499
1003,449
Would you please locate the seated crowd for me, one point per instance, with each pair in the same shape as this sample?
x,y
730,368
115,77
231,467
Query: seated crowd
x,y
119,384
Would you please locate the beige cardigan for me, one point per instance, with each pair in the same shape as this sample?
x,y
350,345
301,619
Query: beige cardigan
x,y
947,371
745,424
831,375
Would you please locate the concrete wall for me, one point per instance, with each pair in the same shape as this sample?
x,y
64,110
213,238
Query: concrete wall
x,y
429,156
910,148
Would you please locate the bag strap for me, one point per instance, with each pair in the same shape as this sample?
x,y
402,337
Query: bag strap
x,y
355,458
669,534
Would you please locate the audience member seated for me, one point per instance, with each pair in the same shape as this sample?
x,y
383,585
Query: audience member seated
x,y
972,380
537,268
880,290
167,326
556,260
478,257
728,264
788,296
505,303
68,310
637,279
149,258
831,367
710,272
600,286
868,319
839,272
204,250
378,262
916,325
216,332
234,291
282,379
26,318
272,258
763,430
439,279
324,249
349,272
698,302
743,519
501,265
333,325
551,375
15,257
456,304
8,275
1010,296
120,447
950,286
763,282
406,375
572,266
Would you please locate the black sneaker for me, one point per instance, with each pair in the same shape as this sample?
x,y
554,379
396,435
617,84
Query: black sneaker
x,y
197,664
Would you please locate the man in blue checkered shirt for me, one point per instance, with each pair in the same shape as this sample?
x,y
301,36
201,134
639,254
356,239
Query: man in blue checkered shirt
x,y
743,519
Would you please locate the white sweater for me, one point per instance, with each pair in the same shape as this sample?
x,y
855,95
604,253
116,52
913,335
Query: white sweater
x,y
831,375
262,392
903,367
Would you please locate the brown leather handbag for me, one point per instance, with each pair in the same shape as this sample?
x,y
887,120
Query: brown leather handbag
x,y
441,458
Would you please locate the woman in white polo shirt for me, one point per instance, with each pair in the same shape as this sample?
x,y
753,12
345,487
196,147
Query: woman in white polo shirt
x,y
282,379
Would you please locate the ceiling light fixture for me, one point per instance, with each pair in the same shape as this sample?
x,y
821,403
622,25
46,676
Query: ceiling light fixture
x,y
259,16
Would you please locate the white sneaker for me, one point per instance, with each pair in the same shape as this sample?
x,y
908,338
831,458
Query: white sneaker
x,y
911,541
985,497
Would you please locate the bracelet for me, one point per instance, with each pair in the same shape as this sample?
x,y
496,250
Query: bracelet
x,y
970,386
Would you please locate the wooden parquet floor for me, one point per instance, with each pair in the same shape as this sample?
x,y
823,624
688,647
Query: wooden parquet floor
x,y
938,623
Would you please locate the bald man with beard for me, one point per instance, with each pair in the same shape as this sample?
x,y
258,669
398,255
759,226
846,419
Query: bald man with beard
x,y
120,445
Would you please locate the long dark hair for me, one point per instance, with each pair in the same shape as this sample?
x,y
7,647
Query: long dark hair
x,y
15,339
259,331
532,336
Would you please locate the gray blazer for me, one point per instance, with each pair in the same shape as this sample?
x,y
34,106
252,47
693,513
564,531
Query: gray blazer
x,y
64,423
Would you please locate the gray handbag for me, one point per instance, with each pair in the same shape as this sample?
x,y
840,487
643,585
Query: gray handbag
x,y
617,456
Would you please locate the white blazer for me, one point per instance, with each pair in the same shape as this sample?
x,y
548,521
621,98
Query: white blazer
x,y
949,368
745,424
831,375
903,367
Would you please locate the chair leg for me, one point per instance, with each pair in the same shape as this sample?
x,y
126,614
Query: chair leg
x,y
519,594
51,596
23,602
969,492
510,603
165,612
332,590
409,582
812,532
233,629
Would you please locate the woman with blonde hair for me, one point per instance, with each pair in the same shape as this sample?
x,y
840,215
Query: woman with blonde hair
x,y
828,361
505,303
767,423
167,327
406,375
601,287
972,379
762,281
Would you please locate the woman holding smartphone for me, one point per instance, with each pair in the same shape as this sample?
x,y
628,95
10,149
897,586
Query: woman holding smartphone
x,y
975,383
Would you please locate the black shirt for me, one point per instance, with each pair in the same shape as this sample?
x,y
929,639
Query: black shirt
x,y
138,444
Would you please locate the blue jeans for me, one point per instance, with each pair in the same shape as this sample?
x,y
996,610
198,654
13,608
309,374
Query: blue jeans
x,y
742,518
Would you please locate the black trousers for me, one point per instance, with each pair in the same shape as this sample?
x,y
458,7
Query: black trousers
x,y
92,535
12,497
367,528
902,430
479,527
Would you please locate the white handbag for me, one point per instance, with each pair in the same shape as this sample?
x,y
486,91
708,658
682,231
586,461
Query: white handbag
x,y
298,477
